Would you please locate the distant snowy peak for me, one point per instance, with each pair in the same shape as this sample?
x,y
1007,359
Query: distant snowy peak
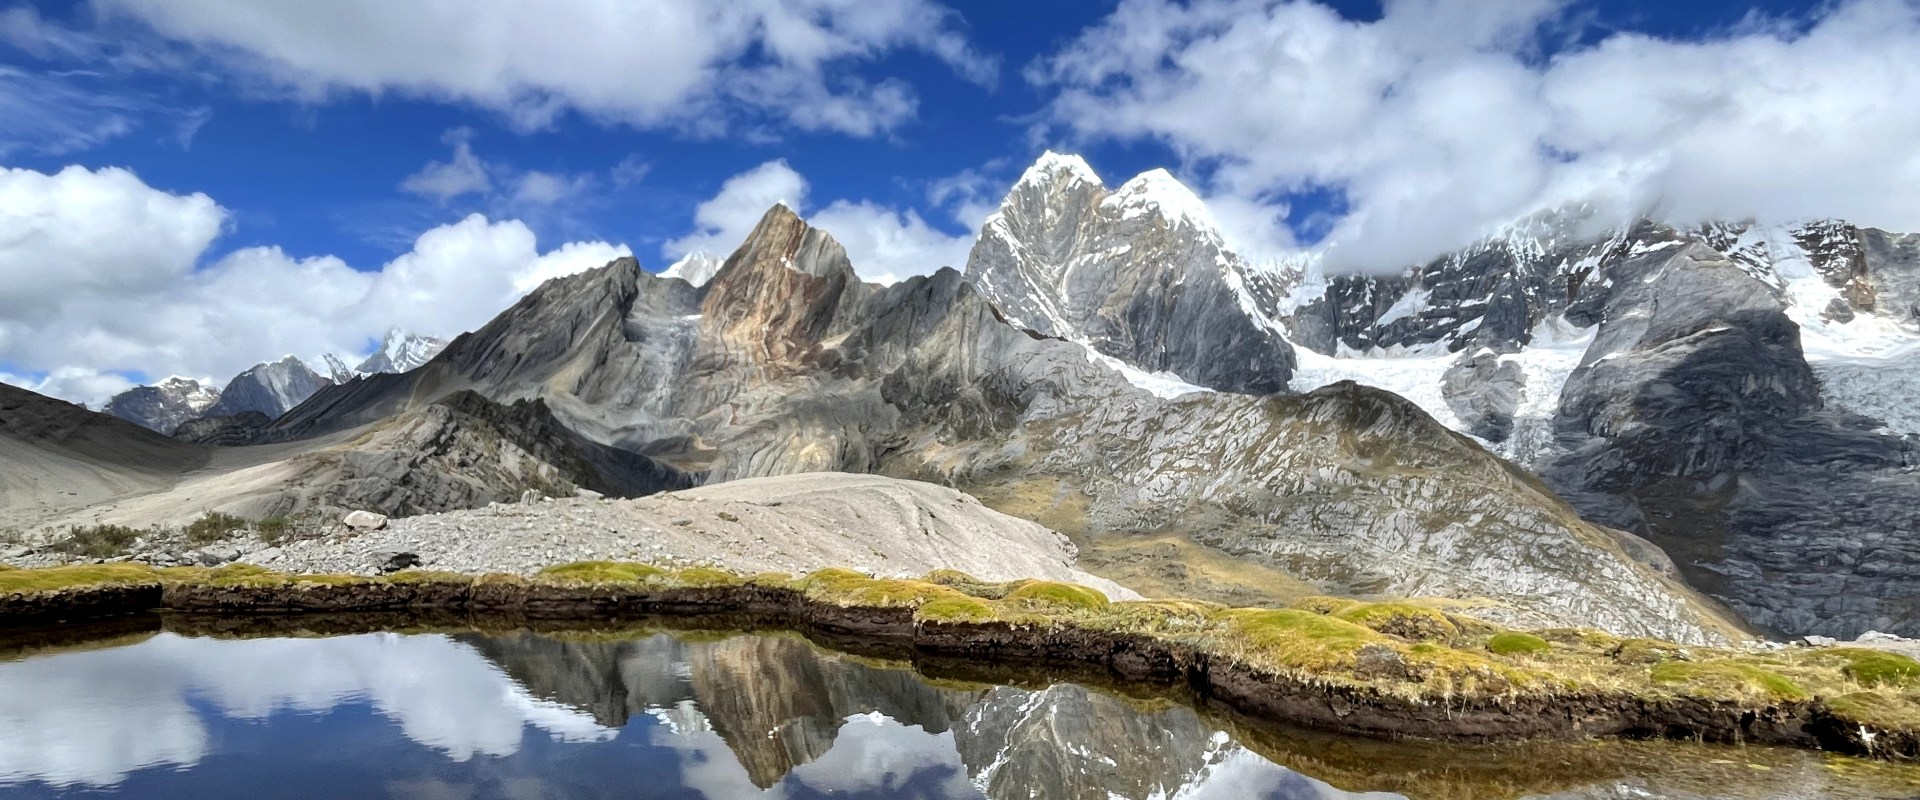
x,y
270,388
163,406
696,268
338,370
1139,274
401,351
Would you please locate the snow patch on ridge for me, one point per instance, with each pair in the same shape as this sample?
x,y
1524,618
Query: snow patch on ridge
x,y
1164,385
696,268
1156,190
1051,163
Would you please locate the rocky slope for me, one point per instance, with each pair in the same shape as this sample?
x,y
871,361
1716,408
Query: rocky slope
x,y
1726,391
61,459
163,406
794,524
787,363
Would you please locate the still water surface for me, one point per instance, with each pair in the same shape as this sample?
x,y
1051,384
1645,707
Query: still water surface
x,y
661,715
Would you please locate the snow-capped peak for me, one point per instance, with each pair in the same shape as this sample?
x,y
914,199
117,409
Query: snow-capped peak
x,y
401,351
1157,190
338,369
1052,165
696,268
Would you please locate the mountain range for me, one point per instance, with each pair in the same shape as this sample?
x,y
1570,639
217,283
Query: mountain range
x,y
267,388
1674,432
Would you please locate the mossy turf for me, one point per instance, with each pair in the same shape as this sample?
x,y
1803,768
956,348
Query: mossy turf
x,y
1515,643
1728,679
1409,649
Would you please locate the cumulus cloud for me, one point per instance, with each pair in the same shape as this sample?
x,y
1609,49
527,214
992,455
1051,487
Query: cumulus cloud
x,y
462,174
1445,119
688,64
102,276
884,244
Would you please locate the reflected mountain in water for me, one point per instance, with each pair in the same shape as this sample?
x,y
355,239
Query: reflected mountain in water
x,y
525,715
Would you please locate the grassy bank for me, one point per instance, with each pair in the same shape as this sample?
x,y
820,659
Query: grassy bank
x,y
1403,661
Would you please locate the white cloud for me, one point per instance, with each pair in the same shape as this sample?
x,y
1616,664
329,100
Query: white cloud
x,y
464,174
688,64
722,222
1441,120
101,274
884,244
547,188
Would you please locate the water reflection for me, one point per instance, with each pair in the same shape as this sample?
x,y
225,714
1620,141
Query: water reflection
x,y
527,716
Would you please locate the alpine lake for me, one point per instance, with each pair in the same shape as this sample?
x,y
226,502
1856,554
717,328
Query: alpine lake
x,y
155,707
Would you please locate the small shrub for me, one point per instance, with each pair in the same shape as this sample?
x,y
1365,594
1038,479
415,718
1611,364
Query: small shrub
x,y
1059,594
1646,651
213,527
98,541
727,517
274,530
1515,643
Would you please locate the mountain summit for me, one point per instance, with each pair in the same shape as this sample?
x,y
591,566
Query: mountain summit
x,y
1141,274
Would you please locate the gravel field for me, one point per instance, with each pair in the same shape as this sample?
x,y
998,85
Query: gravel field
x,y
793,524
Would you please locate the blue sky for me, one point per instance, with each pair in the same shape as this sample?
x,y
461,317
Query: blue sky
x,y
1379,135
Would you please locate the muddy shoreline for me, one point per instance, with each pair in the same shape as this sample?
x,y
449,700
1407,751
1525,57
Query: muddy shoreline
x,y
981,651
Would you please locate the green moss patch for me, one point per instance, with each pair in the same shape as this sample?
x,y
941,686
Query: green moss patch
x,y
957,608
30,581
1727,679
1515,643
844,587
1407,621
602,573
1322,604
705,578
1289,638
1058,595
1875,667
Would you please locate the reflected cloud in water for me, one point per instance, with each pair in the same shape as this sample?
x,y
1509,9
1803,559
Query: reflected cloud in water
x,y
437,716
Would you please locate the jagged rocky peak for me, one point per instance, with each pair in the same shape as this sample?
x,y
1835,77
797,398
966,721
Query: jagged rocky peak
x,y
165,405
400,351
270,388
1140,274
778,296
697,268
